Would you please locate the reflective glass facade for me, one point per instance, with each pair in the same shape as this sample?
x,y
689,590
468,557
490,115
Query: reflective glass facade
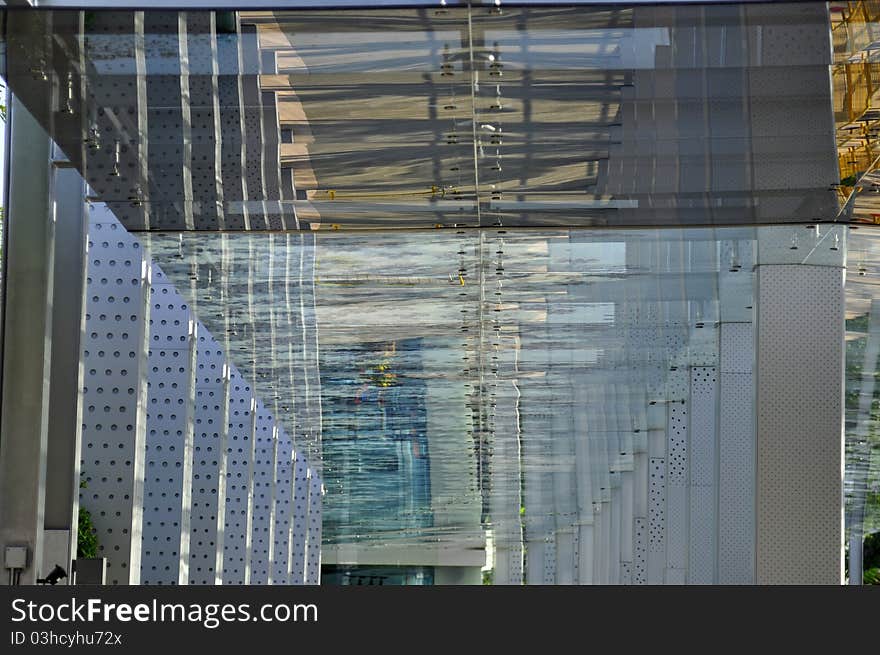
x,y
565,294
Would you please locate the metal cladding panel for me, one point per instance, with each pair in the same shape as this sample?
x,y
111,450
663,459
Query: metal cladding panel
x,y
549,559
264,477
239,480
626,573
252,117
118,159
170,403
703,476
737,347
205,153
114,392
275,211
313,542
232,155
284,470
640,551
656,558
299,520
168,124
677,463
626,518
211,425
800,340
736,455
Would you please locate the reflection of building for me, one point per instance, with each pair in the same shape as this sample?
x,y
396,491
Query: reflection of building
x,y
375,445
521,381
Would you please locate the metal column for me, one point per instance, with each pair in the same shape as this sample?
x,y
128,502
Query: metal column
x,y
799,406
27,339
65,417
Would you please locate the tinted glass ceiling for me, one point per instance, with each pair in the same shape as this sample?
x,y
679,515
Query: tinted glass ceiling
x,y
440,117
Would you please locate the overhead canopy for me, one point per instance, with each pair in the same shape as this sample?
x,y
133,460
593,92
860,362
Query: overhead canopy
x,y
440,117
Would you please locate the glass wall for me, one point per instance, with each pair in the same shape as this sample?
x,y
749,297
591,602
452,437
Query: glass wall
x,y
539,294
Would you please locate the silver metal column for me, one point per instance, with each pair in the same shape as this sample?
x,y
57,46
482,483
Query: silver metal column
x,y
27,339
65,417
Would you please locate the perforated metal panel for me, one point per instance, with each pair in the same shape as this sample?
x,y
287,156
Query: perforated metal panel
x,y
168,120
565,556
239,458
626,517
114,392
169,443
640,551
300,516
252,113
284,469
232,157
601,544
205,153
116,39
737,347
736,453
614,531
585,544
626,573
656,520
211,425
703,477
263,476
313,543
800,337
549,570
677,464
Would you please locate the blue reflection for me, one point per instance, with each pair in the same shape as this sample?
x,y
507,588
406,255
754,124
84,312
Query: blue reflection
x,y
375,440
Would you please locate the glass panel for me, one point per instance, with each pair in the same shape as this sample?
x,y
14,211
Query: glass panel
x,y
862,484
466,293
457,371
441,117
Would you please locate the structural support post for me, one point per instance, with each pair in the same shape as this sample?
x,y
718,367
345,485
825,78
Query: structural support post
x,y
27,339
65,416
799,407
